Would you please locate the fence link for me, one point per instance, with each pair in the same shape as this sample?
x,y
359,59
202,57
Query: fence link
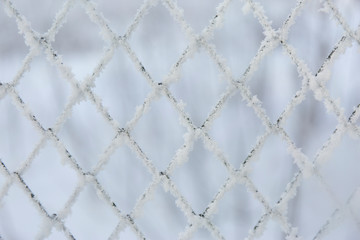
x,y
166,119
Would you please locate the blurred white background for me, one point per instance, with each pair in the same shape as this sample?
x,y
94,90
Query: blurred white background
x,y
158,41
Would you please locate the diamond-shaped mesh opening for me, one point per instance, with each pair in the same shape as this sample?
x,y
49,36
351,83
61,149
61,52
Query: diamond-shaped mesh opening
x,y
348,10
15,131
228,131
120,14
237,213
275,70
170,220
158,37
202,233
310,120
19,218
199,13
341,84
125,178
121,87
86,134
277,15
80,51
50,89
344,229
273,158
191,178
272,230
56,234
190,88
90,216
127,233
49,179
164,130
341,171
12,48
314,42
41,18
228,41
316,207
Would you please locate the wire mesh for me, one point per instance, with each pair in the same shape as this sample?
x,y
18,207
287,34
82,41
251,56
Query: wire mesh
x,y
90,183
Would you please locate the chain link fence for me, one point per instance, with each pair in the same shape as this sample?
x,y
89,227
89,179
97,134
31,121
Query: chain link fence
x,y
164,119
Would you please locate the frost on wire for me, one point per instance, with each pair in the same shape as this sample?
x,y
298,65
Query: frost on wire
x,y
82,90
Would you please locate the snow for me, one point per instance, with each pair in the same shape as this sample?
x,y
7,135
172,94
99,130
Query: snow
x,y
82,90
